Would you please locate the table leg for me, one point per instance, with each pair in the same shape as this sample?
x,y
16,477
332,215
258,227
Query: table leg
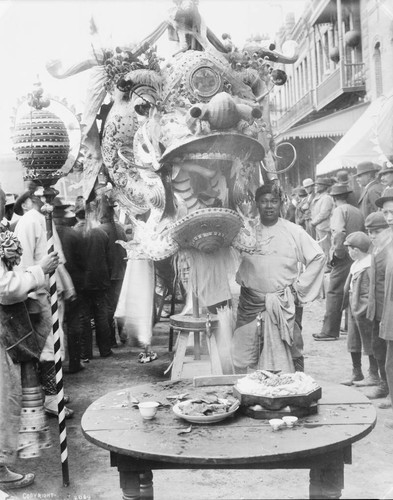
x,y
130,484
327,479
146,485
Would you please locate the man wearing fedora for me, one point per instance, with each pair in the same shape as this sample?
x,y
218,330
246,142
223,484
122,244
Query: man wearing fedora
x,y
386,176
342,177
345,220
321,210
385,203
366,176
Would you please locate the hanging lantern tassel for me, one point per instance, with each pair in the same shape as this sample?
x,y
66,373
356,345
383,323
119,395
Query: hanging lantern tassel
x,y
47,211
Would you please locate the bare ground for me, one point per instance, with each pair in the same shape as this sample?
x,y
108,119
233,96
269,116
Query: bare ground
x,y
369,476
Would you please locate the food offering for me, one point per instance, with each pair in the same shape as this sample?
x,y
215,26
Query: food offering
x,y
206,410
262,392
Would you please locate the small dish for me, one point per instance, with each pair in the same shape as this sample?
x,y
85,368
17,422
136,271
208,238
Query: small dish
x,y
290,421
203,419
148,409
276,423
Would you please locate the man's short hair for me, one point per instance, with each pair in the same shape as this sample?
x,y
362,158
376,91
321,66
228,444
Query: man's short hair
x,y
269,188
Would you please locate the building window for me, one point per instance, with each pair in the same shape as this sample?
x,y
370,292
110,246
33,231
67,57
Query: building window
x,y
378,69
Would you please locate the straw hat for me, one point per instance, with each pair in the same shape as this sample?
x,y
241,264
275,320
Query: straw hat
x,y
308,183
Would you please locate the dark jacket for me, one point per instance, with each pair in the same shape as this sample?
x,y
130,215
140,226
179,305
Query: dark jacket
x,y
97,276
117,254
368,197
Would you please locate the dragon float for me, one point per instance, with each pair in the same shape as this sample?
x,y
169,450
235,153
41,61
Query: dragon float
x,y
185,141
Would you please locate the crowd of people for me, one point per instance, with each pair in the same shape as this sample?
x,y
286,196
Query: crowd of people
x,y
329,229
353,226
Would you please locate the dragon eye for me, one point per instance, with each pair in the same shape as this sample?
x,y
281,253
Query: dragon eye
x,y
205,81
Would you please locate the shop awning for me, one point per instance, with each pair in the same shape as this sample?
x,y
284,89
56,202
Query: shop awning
x,y
360,142
333,125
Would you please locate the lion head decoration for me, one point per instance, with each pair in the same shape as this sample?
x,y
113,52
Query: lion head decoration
x,y
185,142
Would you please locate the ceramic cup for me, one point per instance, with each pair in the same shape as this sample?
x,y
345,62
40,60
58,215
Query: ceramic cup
x,y
290,421
276,423
148,409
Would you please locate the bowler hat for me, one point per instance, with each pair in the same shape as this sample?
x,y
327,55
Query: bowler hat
x,y
308,183
18,210
359,240
338,189
387,196
375,220
366,167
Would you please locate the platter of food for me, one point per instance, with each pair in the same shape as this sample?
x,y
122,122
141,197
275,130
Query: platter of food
x,y
274,391
200,411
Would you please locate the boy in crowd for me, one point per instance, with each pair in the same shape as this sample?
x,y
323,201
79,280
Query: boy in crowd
x,y
356,289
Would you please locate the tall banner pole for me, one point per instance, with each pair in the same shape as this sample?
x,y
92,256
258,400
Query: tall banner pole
x,y
47,210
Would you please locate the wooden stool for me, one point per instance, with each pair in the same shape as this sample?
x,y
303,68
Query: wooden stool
x,y
184,325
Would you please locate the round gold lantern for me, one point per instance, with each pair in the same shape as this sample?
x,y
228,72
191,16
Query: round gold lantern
x,y
41,139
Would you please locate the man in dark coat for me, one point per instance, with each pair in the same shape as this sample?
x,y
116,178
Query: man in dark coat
x,y
385,330
96,285
345,220
116,258
72,243
366,176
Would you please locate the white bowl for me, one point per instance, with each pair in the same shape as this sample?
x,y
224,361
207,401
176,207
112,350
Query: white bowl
x,y
290,421
276,423
148,409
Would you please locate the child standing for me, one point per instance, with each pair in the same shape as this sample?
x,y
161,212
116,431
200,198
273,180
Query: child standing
x,y
356,291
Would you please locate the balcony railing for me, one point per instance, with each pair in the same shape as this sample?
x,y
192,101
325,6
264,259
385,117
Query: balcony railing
x,y
353,80
354,75
333,86
329,89
298,111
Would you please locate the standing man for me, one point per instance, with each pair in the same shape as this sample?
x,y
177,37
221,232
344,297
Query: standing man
x,y
116,257
342,177
381,239
273,290
321,210
366,176
345,220
386,331
309,186
31,232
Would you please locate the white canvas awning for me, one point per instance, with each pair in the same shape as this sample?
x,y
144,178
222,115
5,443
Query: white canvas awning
x,y
333,125
360,143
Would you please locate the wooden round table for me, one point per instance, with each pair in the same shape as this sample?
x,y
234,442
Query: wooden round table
x,y
321,443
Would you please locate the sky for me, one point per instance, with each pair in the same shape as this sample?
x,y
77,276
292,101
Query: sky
x,y
35,31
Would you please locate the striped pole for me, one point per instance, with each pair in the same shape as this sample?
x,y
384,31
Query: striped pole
x,y
47,210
